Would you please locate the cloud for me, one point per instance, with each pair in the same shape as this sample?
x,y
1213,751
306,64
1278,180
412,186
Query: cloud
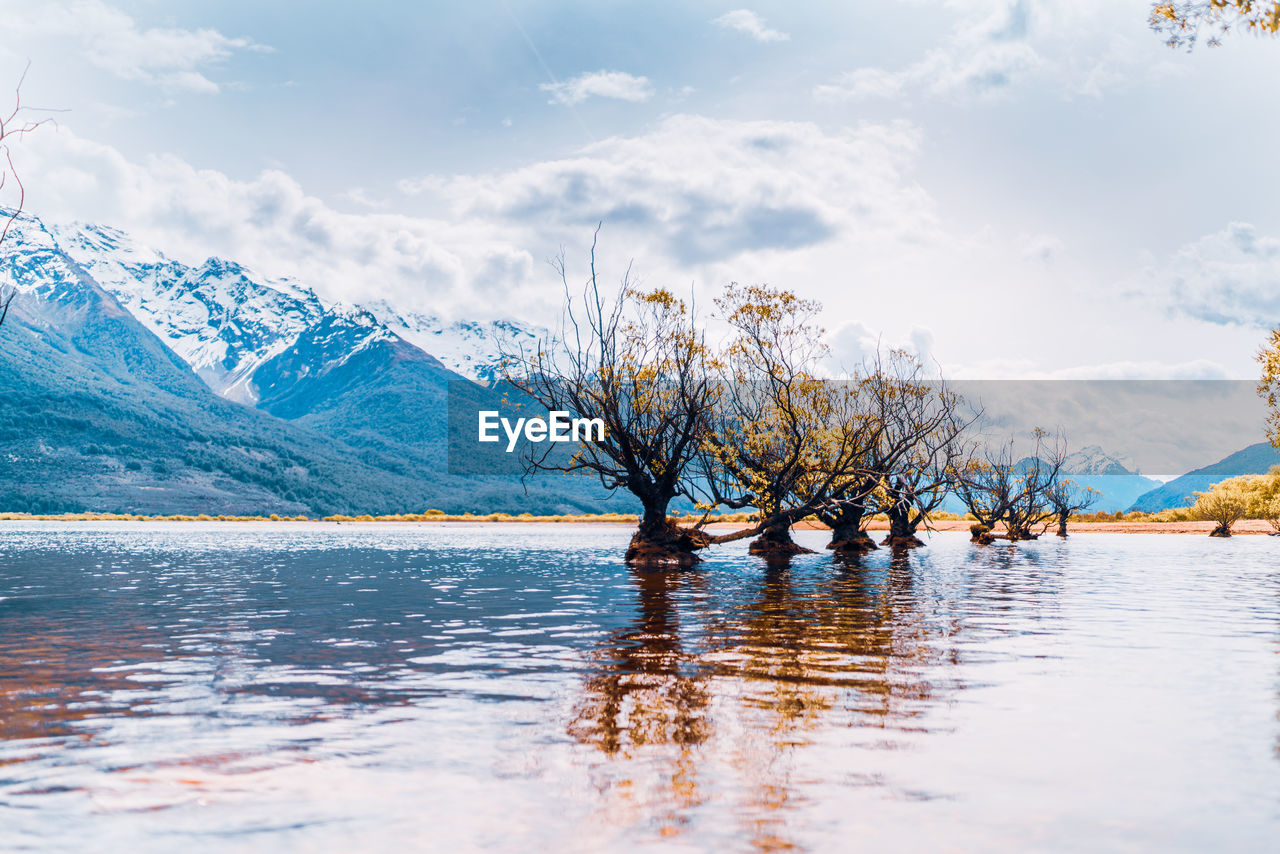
x,y
835,214
748,22
601,84
980,57
1078,47
112,41
1026,369
856,346
697,190
693,199
271,224
1231,277
866,83
1044,248
359,196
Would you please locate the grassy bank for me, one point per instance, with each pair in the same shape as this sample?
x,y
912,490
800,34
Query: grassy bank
x,y
1168,522
428,516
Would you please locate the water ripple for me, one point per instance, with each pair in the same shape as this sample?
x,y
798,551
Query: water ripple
x,y
515,687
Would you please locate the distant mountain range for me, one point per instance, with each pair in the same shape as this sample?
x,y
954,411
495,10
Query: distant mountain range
x,y
1116,486
226,322
1181,491
130,382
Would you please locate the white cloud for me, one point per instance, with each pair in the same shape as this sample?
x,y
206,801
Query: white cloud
x,y
697,190
112,41
866,83
1131,369
1040,247
1229,277
271,224
1078,47
980,57
836,215
748,22
694,198
359,196
856,346
601,84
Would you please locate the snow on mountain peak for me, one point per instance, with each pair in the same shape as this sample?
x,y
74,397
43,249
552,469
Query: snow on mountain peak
x,y
222,319
226,321
105,242
353,313
31,261
470,348
1093,460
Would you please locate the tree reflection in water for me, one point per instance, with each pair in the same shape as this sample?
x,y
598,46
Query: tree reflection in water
x,y
650,694
717,695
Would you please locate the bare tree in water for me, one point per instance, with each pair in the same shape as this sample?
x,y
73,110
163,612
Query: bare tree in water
x,y
1067,497
636,360
907,469
781,440
999,488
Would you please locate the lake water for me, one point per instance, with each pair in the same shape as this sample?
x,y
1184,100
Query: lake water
x,y
337,688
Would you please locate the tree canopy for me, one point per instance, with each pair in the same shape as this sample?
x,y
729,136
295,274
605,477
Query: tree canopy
x,y
1250,496
1182,23
1269,384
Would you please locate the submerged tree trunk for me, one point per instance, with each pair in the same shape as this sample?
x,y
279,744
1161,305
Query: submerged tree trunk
x,y
902,529
847,536
775,541
1223,530
851,539
660,542
981,534
1062,524
1020,532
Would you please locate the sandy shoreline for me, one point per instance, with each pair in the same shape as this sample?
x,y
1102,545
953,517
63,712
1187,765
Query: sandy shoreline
x,y
1247,527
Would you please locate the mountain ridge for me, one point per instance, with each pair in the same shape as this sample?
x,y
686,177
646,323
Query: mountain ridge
x,y
101,413
226,320
1257,458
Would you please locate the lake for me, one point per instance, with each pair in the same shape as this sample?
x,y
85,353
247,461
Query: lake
x,y
514,687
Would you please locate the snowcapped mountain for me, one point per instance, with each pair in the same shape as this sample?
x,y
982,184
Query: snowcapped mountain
x,y
111,356
32,262
1115,486
1094,460
221,318
226,321
473,349
345,340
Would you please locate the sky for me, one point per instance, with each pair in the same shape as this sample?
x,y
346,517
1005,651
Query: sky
x,y
1010,188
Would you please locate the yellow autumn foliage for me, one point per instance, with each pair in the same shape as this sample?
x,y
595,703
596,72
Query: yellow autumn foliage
x,y
1181,22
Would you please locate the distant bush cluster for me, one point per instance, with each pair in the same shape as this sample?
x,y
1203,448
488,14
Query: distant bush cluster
x,y
1255,496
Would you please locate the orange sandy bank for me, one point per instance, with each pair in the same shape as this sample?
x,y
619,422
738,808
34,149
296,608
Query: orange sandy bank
x,y
1246,527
